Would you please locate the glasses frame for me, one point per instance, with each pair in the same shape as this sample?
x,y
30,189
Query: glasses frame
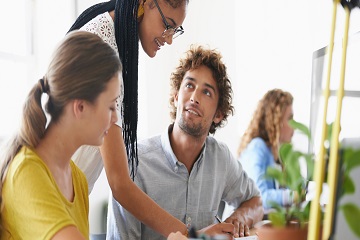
x,y
169,30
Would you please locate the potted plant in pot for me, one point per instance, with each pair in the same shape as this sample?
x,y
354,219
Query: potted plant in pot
x,y
290,222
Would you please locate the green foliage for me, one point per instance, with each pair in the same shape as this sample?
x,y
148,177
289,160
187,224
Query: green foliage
x,y
301,127
350,160
291,178
277,219
352,216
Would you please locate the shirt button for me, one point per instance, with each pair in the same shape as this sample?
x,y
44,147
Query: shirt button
x,y
176,169
189,219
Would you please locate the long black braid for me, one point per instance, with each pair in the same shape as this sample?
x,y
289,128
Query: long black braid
x,y
127,40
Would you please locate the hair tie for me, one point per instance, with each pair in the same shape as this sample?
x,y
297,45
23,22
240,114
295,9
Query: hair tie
x,y
43,89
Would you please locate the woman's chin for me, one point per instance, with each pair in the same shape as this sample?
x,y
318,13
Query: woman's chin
x,y
151,52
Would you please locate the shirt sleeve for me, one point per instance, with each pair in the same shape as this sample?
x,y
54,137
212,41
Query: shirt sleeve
x,y
103,26
239,186
256,159
37,205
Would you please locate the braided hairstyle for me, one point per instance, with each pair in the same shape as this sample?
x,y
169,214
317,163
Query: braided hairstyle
x,y
127,41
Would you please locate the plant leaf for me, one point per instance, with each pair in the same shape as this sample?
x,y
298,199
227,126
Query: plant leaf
x,y
351,159
348,185
301,127
284,152
306,211
276,206
277,219
276,174
352,216
310,166
292,171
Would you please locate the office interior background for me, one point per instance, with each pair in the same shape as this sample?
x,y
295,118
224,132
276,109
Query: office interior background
x,y
265,45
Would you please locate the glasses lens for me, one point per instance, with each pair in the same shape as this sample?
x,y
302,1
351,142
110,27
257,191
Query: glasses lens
x,y
168,32
178,32
173,32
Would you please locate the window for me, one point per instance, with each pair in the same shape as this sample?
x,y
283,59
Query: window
x,y
351,101
16,61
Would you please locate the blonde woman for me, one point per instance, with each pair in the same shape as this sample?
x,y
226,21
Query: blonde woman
x,y
259,146
44,195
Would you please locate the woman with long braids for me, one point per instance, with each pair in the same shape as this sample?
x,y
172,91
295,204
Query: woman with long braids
x,y
122,23
268,129
44,195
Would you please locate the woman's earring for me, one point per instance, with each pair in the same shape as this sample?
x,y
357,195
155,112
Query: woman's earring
x,y
140,10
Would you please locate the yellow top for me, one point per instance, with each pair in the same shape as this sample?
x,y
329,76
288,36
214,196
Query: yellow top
x,y
34,207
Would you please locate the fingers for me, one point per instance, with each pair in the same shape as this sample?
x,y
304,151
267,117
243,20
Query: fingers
x,y
241,230
247,231
227,228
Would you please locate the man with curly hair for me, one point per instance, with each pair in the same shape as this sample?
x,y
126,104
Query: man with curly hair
x,y
186,171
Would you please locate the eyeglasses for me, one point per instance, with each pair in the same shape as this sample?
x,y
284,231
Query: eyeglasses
x,y
169,30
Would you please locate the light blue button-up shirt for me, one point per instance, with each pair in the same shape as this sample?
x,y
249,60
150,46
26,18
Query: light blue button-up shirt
x,y
255,159
193,198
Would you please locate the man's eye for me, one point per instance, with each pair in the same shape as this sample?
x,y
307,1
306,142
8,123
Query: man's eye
x,y
207,92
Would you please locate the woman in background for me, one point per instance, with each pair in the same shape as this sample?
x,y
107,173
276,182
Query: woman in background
x,y
122,23
259,146
44,195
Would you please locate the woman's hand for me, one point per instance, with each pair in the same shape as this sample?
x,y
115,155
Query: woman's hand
x,y
219,229
176,236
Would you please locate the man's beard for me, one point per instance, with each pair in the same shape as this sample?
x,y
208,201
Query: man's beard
x,y
195,130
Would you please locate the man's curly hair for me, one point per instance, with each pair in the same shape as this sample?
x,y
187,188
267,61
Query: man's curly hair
x,y
267,119
199,56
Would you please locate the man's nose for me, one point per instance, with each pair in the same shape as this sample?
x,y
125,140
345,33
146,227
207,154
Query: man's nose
x,y
194,98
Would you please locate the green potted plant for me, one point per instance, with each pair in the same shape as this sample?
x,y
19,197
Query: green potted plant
x,y
290,222
350,160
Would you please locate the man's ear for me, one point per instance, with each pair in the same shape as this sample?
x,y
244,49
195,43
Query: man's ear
x,y
218,117
176,100
78,108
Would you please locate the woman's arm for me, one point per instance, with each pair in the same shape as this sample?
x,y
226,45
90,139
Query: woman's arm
x,y
127,193
68,233
256,159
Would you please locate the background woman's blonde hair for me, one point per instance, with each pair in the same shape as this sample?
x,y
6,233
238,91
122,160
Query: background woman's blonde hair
x,y
267,119
81,67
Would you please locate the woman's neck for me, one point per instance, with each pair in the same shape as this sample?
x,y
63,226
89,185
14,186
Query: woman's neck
x,y
56,148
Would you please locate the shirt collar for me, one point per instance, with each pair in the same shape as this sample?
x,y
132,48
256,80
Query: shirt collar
x,y
165,143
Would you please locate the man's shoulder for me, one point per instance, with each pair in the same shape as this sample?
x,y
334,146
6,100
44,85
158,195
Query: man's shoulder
x,y
149,145
215,143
